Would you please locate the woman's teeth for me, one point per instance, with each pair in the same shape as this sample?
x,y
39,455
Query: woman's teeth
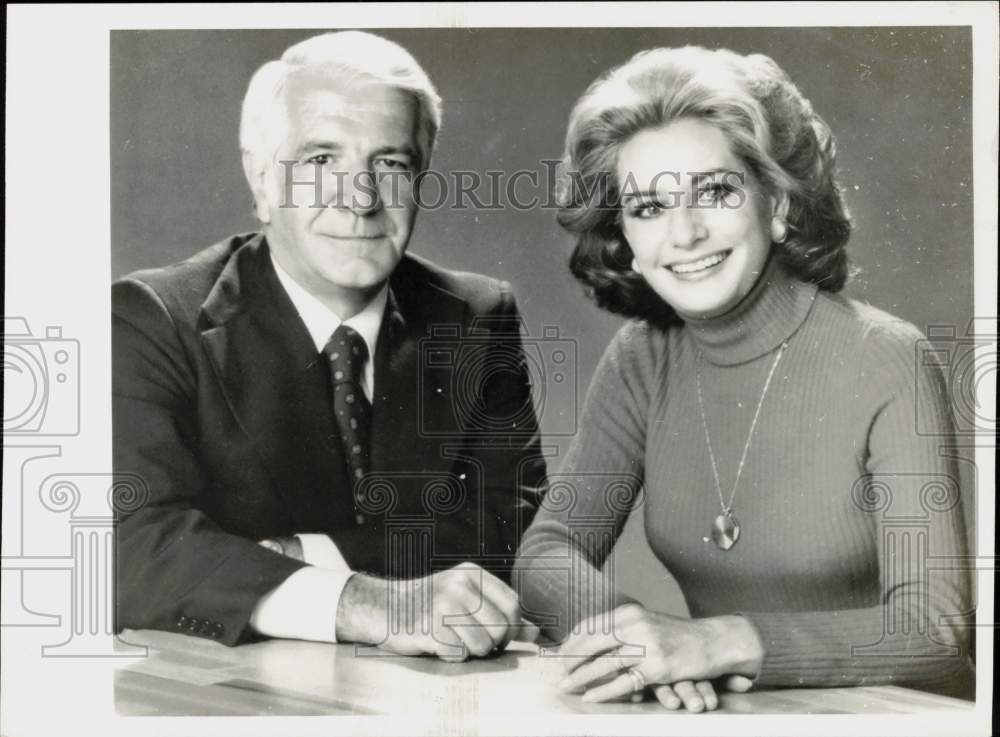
x,y
699,265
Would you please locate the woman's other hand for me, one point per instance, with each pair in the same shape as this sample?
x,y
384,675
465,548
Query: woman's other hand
x,y
675,657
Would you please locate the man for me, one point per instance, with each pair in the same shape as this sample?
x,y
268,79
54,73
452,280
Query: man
x,y
312,472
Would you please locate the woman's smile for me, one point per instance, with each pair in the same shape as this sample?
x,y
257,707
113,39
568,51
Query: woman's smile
x,y
700,268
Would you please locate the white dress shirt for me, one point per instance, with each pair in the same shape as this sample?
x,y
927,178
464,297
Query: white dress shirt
x,y
304,606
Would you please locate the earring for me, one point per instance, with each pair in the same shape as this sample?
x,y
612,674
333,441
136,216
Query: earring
x,y
779,230
635,265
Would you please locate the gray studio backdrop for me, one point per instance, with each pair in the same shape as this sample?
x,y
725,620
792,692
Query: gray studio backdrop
x,y
898,99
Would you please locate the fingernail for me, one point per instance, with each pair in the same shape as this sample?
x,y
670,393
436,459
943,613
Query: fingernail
x,y
589,697
696,705
565,684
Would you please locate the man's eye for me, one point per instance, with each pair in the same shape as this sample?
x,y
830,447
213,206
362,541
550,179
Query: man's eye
x,y
319,159
395,164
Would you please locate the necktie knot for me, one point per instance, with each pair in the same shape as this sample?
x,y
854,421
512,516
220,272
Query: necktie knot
x,y
347,352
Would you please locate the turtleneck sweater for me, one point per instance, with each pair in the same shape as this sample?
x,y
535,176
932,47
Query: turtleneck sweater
x,y
851,554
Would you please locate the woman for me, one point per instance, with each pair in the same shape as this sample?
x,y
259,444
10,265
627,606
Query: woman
x,y
769,422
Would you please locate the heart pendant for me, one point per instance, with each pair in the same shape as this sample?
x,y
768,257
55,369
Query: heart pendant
x,y
725,531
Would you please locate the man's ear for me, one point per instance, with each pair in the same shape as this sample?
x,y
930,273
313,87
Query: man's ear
x,y
256,174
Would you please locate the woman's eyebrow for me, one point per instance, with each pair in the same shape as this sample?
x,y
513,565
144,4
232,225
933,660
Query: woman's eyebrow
x,y
714,171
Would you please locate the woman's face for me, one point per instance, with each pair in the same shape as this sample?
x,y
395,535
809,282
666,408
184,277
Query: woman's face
x,y
695,217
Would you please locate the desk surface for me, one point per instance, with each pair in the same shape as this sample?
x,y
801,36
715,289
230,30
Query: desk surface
x,y
192,676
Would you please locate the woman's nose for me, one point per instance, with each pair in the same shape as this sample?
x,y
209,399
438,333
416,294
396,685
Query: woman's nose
x,y
686,227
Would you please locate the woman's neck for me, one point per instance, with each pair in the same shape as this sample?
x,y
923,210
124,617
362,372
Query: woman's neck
x,y
771,312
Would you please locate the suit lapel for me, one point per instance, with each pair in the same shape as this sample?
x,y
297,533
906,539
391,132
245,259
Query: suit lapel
x,y
277,388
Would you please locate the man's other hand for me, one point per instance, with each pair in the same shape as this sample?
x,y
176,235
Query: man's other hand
x,y
462,612
290,546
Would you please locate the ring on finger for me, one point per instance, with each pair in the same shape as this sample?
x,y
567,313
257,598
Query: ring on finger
x,y
638,679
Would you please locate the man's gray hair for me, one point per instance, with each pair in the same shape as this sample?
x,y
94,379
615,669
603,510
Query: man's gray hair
x,y
349,56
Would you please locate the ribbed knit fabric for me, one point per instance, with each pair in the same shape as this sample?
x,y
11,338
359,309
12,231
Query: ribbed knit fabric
x,y
851,518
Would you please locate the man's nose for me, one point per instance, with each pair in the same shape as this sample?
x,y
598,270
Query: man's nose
x,y
359,193
686,227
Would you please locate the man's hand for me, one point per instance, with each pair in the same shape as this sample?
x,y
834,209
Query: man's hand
x,y
290,546
462,612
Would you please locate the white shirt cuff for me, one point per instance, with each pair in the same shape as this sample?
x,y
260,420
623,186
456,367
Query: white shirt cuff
x,y
303,607
319,550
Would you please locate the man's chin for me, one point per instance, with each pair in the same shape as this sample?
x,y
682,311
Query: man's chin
x,y
360,274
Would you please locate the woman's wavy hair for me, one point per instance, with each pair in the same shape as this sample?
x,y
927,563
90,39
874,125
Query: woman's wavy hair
x,y
770,126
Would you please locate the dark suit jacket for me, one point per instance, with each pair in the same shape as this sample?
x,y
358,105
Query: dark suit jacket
x,y
222,409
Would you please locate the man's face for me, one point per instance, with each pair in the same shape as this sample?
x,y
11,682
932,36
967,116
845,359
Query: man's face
x,y
359,143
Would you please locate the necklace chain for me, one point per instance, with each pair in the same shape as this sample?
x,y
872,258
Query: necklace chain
x,y
727,508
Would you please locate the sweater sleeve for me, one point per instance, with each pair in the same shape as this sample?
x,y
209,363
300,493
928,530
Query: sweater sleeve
x,y
910,496
587,501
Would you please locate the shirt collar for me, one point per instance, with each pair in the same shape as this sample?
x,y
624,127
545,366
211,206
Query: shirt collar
x,y
321,321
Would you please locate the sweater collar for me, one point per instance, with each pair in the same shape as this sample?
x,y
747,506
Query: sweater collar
x,y
770,313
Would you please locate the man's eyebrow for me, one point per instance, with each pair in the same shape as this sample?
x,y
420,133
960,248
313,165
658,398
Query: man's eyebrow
x,y
317,144
403,148
327,145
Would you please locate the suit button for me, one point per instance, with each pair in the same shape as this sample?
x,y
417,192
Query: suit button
x,y
182,622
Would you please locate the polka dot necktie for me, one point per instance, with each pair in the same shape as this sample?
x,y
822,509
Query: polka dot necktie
x,y
346,352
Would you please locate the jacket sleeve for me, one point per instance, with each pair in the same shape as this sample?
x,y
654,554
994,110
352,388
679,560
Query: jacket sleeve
x,y
176,569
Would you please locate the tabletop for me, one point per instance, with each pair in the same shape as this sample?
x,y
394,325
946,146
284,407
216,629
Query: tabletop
x,y
183,675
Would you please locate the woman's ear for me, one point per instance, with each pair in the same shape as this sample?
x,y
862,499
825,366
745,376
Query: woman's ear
x,y
779,206
256,173
779,217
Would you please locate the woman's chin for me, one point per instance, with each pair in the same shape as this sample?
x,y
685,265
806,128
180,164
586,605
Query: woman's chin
x,y
704,305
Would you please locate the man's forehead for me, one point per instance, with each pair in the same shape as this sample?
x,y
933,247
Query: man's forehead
x,y
311,94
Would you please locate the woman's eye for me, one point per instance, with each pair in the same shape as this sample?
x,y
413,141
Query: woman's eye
x,y
717,193
711,194
646,210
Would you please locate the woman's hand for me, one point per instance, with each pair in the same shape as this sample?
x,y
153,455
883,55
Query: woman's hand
x,y
673,656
